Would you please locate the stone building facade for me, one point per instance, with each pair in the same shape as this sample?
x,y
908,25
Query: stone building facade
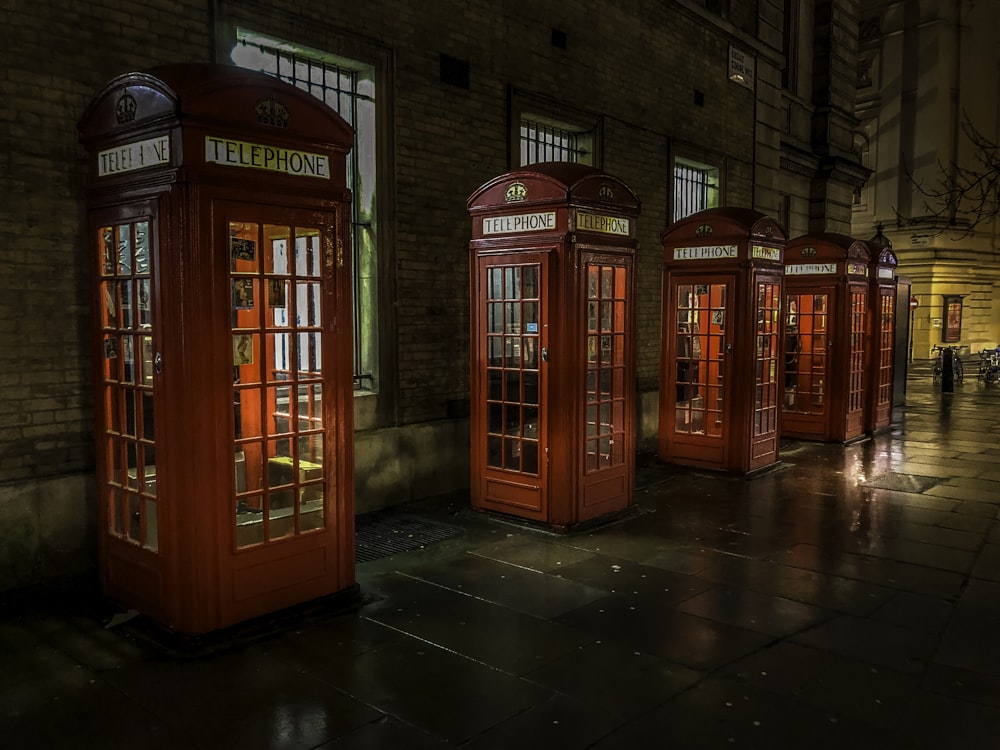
x,y
754,99
927,79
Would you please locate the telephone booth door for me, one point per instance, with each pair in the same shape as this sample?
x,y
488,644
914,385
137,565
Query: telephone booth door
x,y
720,363
217,209
825,331
698,348
513,348
882,336
553,354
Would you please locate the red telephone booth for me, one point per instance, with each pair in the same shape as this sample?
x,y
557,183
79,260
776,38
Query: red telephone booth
x,y
826,326
721,343
882,334
218,226
553,354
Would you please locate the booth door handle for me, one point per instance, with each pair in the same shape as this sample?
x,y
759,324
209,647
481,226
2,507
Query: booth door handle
x,y
545,354
158,363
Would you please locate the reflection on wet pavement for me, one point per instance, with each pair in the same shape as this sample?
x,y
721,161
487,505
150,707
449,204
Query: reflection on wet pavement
x,y
849,598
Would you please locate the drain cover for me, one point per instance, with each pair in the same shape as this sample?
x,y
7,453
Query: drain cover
x,y
379,535
902,482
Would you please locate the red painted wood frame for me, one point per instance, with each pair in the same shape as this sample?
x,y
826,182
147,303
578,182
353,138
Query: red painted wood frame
x,y
218,235
882,335
553,345
721,346
827,337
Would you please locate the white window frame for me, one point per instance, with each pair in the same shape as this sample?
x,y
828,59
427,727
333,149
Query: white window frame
x,y
324,75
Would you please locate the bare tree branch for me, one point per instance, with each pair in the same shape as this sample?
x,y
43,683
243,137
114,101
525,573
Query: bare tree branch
x,y
961,198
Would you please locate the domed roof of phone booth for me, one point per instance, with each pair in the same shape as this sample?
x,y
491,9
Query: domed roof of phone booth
x,y
732,223
828,246
882,252
557,181
212,94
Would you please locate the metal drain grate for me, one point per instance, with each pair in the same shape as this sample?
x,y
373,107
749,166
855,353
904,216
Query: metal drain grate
x,y
379,535
902,482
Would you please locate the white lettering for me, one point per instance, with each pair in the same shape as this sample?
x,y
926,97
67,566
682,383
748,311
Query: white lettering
x,y
601,223
707,252
536,222
271,158
766,253
802,269
152,152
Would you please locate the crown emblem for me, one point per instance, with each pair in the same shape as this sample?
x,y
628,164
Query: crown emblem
x,y
606,194
703,230
271,112
125,108
516,192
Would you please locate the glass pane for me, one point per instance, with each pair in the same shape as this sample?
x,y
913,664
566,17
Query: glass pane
x,y
281,513
530,387
494,380
125,300
249,523
307,304
109,311
243,247
494,448
495,317
276,241
529,458
142,248
495,350
310,407
107,250
512,283
145,313
512,454
311,448
244,296
124,250
307,252
277,301
310,357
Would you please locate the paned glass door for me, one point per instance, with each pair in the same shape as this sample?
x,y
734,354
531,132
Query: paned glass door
x,y
806,352
884,343
129,449
700,351
277,318
765,407
859,324
513,357
607,290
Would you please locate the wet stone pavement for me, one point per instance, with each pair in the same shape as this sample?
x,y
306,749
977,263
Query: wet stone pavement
x,y
850,598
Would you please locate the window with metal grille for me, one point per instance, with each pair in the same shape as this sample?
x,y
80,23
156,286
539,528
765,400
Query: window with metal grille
x,y
552,142
696,187
721,7
348,88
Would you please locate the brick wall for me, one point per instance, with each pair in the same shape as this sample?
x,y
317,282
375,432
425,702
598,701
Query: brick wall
x,y
653,72
56,57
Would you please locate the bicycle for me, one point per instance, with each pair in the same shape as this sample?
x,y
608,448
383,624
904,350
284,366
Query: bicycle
x,y
956,364
989,365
